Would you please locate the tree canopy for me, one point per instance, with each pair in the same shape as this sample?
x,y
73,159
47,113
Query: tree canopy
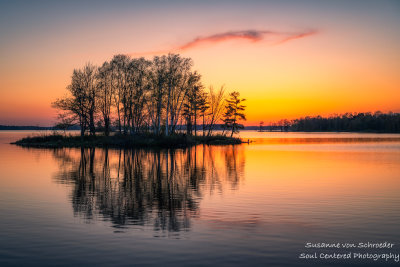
x,y
136,95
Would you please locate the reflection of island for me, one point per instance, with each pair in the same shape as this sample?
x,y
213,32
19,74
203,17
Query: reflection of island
x,y
147,187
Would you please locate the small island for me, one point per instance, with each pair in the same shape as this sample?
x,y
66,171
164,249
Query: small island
x,y
134,102
125,141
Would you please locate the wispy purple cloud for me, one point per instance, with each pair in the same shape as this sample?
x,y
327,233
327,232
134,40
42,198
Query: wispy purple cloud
x,y
271,37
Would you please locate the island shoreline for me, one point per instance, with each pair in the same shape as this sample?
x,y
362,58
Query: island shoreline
x,y
125,141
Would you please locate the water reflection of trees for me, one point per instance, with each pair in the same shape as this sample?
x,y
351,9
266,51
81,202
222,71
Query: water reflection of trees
x,y
141,187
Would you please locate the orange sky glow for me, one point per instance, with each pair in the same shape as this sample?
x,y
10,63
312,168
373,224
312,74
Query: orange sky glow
x,y
287,59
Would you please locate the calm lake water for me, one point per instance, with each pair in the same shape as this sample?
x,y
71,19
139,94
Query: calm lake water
x,y
255,204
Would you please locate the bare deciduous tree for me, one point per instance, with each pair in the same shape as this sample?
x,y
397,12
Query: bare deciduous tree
x,y
106,93
80,105
216,102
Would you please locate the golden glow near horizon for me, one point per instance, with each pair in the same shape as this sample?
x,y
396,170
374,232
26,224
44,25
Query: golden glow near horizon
x,y
350,62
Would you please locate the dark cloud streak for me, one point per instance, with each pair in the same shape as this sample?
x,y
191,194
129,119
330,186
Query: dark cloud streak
x,y
272,37
251,35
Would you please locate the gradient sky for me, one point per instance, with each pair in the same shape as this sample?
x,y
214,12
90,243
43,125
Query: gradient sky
x,y
288,58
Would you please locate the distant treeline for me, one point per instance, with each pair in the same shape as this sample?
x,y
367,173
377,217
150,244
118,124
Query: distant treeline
x,y
349,122
32,128
13,127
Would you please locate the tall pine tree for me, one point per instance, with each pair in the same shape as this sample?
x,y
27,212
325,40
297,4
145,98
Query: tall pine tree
x,y
234,112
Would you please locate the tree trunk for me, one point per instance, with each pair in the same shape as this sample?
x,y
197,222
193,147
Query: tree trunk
x,y
119,119
203,126
166,116
82,125
195,122
158,119
91,124
106,127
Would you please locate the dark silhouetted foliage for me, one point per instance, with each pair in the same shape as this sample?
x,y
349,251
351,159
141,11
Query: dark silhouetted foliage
x,y
135,95
350,122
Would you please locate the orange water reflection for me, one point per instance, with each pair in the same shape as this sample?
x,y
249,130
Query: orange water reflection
x,y
317,180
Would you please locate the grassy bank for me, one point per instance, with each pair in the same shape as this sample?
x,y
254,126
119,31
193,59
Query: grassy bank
x,y
124,141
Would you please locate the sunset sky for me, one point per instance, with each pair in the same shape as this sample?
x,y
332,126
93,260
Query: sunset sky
x,y
287,58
